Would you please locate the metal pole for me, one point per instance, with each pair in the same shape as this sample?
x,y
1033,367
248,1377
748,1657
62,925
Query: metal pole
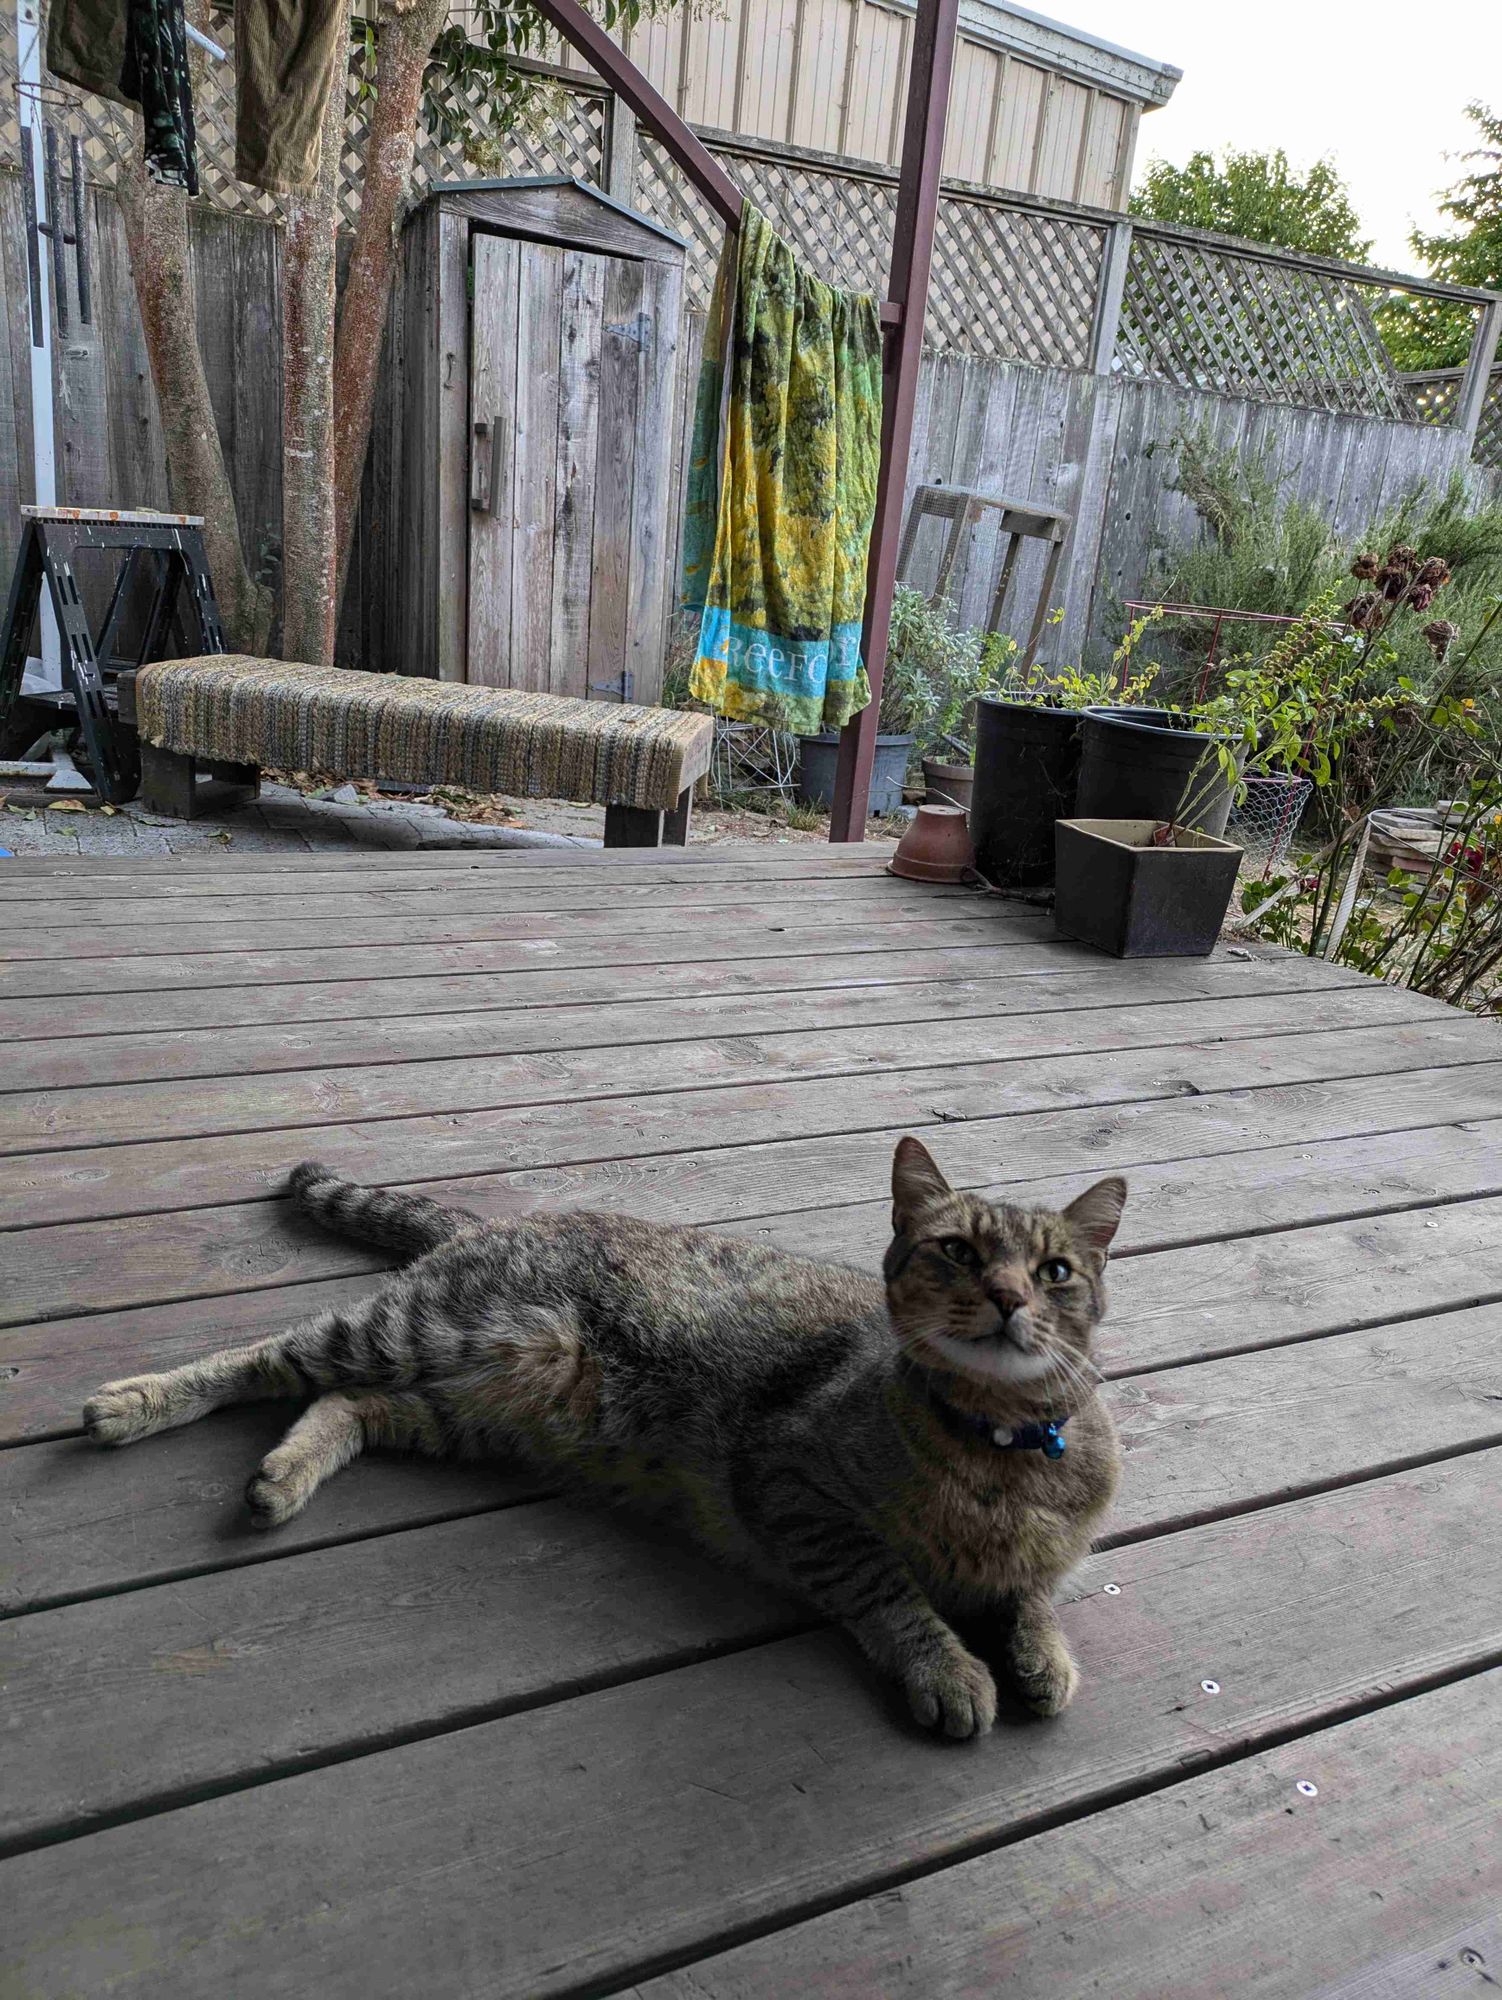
x,y
48,669
912,258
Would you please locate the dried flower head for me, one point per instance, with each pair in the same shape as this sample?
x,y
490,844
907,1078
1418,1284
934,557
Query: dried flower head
x,y
1366,612
1421,596
1365,569
1435,574
1401,556
1441,635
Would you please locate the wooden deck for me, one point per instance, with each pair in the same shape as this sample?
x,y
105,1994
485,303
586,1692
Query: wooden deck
x,y
446,1736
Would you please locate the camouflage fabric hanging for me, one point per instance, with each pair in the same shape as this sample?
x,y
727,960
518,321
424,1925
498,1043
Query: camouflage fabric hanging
x,y
155,76
782,489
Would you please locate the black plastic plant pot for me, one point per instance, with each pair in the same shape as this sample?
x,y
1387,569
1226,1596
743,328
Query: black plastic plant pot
x,y
1026,762
818,757
1150,763
1114,889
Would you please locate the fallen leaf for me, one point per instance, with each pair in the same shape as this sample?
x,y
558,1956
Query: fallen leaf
x,y
109,811
65,806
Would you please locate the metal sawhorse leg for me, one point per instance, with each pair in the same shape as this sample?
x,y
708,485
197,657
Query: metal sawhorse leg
x,y
51,539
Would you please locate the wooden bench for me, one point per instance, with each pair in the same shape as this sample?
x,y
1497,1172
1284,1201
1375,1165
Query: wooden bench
x,y
209,726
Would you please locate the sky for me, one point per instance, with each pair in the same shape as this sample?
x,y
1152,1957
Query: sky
x,y
1361,83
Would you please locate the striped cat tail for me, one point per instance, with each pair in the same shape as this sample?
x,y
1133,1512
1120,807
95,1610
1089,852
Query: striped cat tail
x,y
407,1223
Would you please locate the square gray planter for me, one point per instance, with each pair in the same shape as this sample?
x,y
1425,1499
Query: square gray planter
x,y
1115,890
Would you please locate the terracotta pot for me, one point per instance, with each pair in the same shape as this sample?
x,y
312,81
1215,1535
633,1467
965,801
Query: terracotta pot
x,y
947,784
935,848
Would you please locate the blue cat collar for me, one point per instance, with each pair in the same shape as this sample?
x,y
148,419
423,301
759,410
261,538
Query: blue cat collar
x,y
1048,1438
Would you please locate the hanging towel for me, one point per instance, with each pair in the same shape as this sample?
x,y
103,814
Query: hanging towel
x,y
289,56
782,489
86,45
155,76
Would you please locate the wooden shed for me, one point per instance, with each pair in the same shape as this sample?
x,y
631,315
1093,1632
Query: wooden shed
x,y
516,524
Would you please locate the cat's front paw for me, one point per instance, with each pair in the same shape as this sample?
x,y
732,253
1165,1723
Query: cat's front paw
x,y
1047,1680
120,1412
951,1692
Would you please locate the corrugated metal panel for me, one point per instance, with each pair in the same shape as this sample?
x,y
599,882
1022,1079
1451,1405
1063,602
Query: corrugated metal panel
x,y
656,47
820,90
1100,178
972,102
873,109
712,57
785,70
1017,127
767,71
1063,129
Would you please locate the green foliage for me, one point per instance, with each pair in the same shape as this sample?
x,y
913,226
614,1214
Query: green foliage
x,y
1258,196
478,56
935,672
1262,553
1427,333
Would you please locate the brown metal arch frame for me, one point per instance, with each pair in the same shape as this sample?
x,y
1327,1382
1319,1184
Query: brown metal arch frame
x,y
903,313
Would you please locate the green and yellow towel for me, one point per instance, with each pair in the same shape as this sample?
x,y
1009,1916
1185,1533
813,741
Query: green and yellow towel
x,y
782,488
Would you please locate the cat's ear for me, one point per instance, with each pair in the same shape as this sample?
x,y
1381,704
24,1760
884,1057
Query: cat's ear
x,y
1096,1214
916,1183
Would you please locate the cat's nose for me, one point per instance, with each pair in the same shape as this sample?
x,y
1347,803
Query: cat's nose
x,y
1007,1298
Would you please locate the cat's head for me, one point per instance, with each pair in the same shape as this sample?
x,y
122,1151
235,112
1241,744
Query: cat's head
x,y
994,1294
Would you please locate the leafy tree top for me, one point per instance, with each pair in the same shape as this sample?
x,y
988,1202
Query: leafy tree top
x,y
1259,196
1427,333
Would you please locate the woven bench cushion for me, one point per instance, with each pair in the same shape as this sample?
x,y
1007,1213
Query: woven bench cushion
x,y
237,710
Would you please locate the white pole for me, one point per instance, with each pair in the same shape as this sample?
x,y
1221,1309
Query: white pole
x,y
46,672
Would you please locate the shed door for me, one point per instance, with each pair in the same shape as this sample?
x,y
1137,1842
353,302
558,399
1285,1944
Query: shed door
x,y
571,368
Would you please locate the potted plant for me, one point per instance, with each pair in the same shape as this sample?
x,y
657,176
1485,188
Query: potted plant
x,y
1027,761
934,672
1156,885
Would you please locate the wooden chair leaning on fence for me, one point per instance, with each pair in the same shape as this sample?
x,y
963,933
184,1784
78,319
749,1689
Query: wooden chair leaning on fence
x,y
209,726
1020,520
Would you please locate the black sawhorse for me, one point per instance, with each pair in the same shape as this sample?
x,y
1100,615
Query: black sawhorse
x,y
169,549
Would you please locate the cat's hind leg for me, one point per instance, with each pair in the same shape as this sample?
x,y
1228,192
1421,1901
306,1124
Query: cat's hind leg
x,y
344,1345
139,1405
331,1432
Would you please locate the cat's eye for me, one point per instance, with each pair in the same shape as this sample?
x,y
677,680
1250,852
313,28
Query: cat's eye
x,y
1055,1271
958,1251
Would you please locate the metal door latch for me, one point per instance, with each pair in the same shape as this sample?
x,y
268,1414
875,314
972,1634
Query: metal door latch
x,y
638,331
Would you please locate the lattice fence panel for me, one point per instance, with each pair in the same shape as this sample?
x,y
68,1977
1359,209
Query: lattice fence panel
x,y
1013,285
1007,284
562,131
663,194
1436,398
1243,326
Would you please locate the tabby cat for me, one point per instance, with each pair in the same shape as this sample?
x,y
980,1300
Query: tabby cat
x,y
895,1452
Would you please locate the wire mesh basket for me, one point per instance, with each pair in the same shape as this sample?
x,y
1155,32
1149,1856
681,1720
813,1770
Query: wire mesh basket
x,y
749,757
1265,820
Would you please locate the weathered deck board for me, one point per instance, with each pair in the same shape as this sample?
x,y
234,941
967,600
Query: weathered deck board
x,y
445,1733
57,1361
562,947
1397,1846
629,1826
95,1266
473,976
141,1056
629,987
135,1112
1201,1442
76,1183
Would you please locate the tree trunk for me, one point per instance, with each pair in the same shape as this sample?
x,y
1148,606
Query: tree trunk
x,y
156,233
406,41
308,287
